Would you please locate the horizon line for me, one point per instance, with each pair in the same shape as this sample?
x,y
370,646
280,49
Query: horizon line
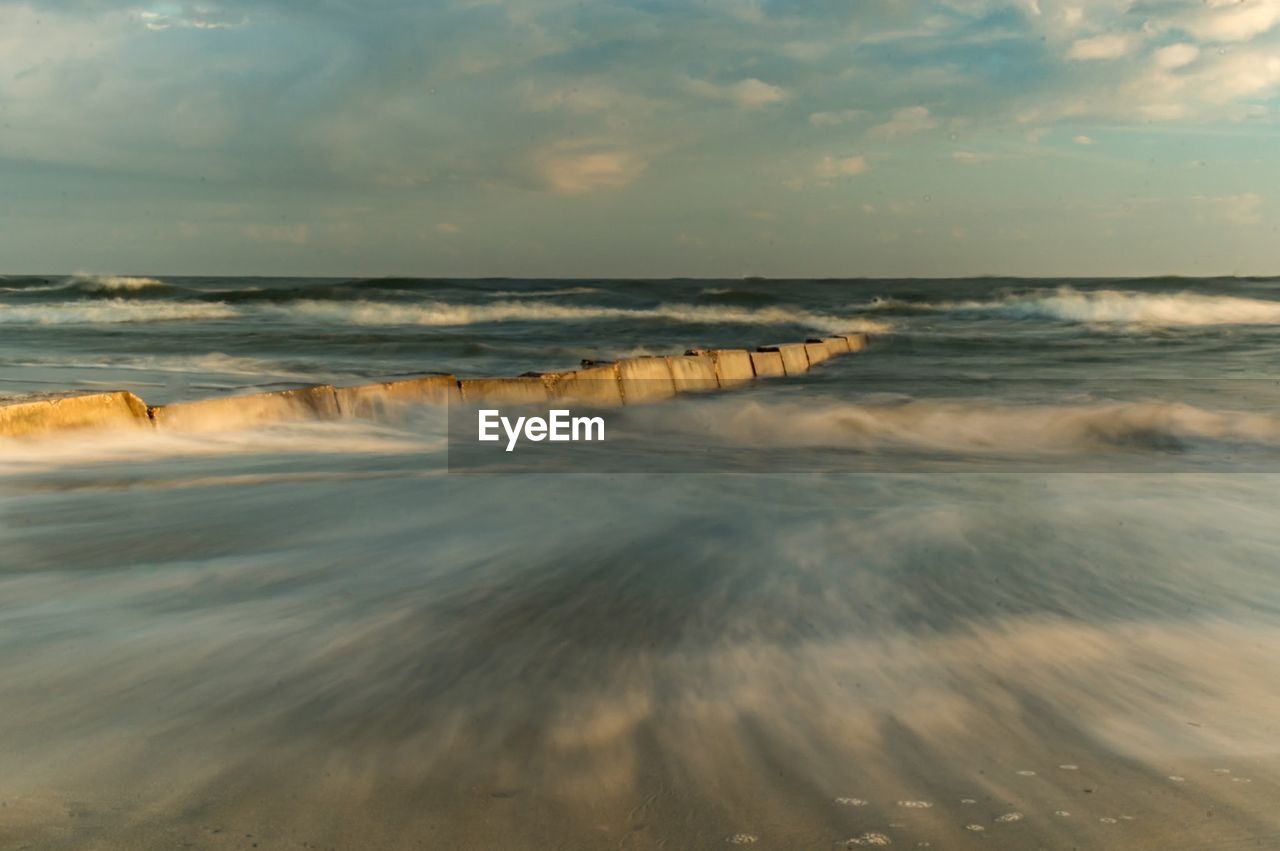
x,y
636,278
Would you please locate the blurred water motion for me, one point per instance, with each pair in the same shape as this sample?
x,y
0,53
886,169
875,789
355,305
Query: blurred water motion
x,y
312,635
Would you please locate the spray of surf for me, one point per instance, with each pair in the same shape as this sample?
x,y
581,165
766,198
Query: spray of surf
x,y
111,312
112,283
976,427
1125,308
443,314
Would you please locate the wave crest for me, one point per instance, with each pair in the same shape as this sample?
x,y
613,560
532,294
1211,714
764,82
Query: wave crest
x,y
984,428
111,312
441,313
112,283
1119,307
544,293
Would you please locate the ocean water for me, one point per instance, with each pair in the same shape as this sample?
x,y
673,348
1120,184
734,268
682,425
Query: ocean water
x,y
1010,576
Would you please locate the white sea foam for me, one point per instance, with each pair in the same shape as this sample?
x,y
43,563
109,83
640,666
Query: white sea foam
x,y
76,449
975,426
1116,307
441,313
112,312
213,363
545,293
113,283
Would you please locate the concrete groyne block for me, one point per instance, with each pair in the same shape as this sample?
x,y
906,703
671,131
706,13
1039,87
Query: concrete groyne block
x,y
597,384
733,366
629,381
305,403
817,351
376,401
795,360
31,415
524,390
767,364
693,373
645,379
857,341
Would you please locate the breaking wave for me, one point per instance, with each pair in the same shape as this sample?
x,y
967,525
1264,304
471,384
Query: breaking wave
x,y
113,283
1117,307
982,427
114,286
441,313
544,293
18,283
213,363
111,312
62,450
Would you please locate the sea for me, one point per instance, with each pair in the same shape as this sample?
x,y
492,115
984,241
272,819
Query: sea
x,y
1007,578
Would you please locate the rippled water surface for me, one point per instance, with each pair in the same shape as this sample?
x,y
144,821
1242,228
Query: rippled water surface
x,y
312,635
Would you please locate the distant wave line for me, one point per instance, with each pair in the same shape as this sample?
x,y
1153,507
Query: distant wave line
x,y
444,314
1108,307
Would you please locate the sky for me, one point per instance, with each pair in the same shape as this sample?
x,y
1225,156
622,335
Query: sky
x,y
720,138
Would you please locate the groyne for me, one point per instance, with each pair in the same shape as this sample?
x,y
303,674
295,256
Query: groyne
x,y
628,381
27,415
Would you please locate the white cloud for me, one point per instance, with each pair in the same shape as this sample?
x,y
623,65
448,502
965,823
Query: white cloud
x,y
1111,46
1175,56
835,118
829,169
832,167
192,17
1232,20
971,157
1216,86
448,228
1166,60
749,93
1084,140
574,168
906,121
1239,75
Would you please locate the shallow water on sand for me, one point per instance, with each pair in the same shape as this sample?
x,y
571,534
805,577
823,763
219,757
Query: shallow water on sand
x,y
313,635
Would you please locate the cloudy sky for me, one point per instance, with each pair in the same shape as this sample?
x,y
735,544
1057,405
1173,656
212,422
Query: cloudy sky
x,y
643,138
